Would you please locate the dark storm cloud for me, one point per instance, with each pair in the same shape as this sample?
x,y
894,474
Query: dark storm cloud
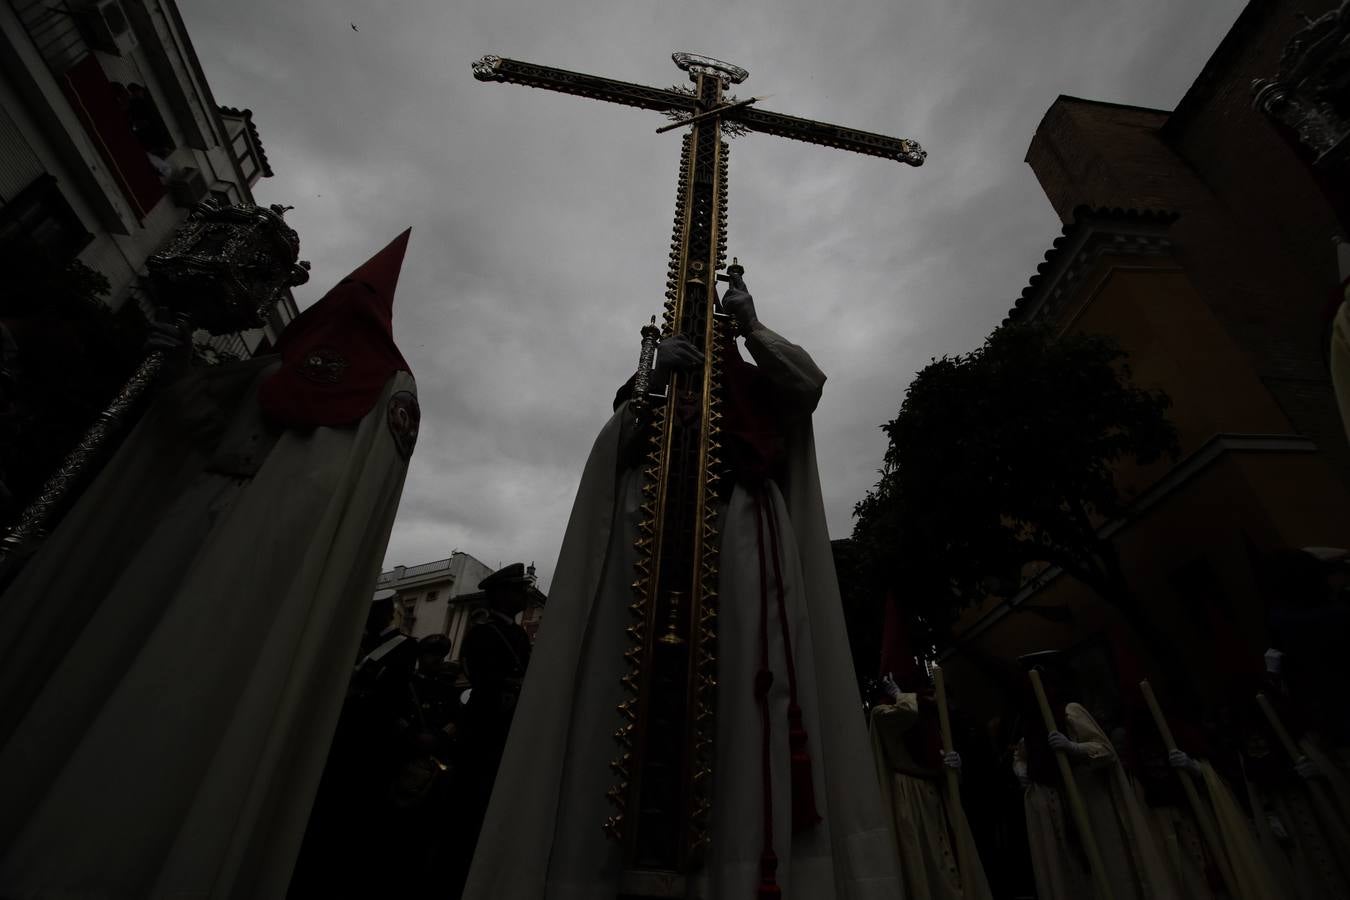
x,y
540,221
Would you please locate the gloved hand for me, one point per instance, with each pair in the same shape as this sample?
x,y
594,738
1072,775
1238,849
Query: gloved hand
x,y
174,342
1058,741
1306,768
1177,759
889,687
952,760
738,303
166,337
675,354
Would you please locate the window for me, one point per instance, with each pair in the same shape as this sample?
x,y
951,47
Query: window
x,y
40,222
146,122
432,595
22,165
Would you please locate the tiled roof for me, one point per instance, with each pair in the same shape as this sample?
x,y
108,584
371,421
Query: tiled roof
x,y
247,116
1060,256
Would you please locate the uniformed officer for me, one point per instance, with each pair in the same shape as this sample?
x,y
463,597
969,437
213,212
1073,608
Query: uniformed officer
x,y
495,654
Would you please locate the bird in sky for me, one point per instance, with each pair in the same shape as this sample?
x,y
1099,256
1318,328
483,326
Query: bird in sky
x,y
354,28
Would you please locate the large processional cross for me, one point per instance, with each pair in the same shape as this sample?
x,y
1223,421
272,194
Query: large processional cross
x,y
664,764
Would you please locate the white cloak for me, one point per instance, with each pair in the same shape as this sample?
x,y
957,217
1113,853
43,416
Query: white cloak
x,y
176,655
1123,833
932,835
542,835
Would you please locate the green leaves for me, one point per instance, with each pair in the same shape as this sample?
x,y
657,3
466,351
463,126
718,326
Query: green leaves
x,y
1002,457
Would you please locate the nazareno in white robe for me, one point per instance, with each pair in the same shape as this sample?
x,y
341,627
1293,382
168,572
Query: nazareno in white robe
x,y
173,660
542,836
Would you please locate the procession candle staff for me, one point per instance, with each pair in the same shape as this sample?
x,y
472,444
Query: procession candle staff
x,y
1202,813
913,755
963,853
1076,805
676,670
1331,820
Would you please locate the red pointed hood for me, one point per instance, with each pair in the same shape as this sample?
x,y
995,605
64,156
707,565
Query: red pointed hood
x,y
338,355
924,741
897,652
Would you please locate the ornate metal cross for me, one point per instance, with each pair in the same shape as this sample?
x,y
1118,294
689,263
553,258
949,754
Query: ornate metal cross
x,y
664,765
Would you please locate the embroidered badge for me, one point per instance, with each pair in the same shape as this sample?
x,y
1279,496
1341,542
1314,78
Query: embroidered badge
x,y
324,365
404,418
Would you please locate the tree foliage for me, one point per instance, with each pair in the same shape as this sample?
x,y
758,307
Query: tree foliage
x,y
1002,457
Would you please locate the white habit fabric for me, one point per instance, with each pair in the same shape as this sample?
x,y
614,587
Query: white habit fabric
x,y
176,655
542,837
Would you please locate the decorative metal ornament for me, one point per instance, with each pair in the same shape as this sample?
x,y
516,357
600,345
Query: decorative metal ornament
x,y
324,365
486,68
663,769
1310,95
697,64
651,337
405,419
225,266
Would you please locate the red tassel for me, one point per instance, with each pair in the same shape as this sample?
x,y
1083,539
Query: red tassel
x,y
768,883
804,813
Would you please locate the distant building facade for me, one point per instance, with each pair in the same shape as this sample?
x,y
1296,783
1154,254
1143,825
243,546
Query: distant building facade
x,y
109,135
1202,241
442,597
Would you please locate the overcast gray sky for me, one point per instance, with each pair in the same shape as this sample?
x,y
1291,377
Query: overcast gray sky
x,y
541,221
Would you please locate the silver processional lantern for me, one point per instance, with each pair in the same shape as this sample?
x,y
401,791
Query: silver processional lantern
x,y
226,265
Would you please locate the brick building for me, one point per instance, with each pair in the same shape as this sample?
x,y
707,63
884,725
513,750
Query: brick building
x,y
1203,241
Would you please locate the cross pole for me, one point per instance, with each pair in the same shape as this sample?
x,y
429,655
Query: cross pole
x,y
664,767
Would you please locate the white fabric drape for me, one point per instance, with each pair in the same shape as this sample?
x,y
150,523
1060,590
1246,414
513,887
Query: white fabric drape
x,y
550,790
933,837
187,637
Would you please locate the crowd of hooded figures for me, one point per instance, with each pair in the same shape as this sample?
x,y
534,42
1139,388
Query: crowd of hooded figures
x,y
1239,795
222,710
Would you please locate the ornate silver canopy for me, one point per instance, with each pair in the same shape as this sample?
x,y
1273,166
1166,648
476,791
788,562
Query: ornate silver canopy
x,y
224,266
1310,95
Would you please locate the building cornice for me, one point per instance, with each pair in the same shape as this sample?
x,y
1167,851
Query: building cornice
x,y
212,107
1093,233
247,116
